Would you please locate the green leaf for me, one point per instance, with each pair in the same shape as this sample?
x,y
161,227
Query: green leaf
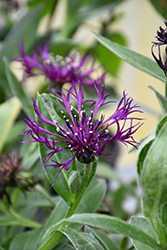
x,y
74,182
104,237
8,221
21,31
17,90
161,7
160,125
114,225
153,181
89,203
81,241
30,154
45,194
143,150
142,156
139,61
61,184
36,199
144,225
93,196
26,240
9,111
57,215
11,213
16,130
100,240
110,61
66,247
162,99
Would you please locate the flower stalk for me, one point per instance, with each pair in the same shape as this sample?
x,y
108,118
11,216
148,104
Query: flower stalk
x,y
87,175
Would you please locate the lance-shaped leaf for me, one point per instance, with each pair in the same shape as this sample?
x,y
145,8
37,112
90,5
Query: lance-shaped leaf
x,y
115,225
137,60
153,181
103,239
145,226
81,240
162,99
61,184
25,240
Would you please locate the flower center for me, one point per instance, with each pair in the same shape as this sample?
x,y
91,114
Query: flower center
x,y
83,135
57,60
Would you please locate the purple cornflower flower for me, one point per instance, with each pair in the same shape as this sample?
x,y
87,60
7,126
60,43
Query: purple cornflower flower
x,y
162,40
82,133
57,69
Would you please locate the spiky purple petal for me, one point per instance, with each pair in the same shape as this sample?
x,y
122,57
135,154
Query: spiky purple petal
x,y
82,133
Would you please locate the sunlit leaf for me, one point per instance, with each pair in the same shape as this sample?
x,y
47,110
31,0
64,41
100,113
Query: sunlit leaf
x,y
9,111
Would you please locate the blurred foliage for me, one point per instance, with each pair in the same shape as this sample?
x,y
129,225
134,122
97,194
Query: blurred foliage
x,y
160,6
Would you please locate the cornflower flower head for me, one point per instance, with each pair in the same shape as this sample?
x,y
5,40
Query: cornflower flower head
x,y
58,69
161,35
12,175
161,40
82,133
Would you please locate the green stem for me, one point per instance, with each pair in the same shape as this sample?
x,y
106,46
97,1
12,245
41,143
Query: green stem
x,y
57,237
89,171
